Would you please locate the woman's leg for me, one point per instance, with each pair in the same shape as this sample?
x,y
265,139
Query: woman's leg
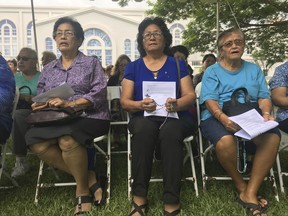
x,y
75,157
144,138
263,161
226,150
50,152
171,138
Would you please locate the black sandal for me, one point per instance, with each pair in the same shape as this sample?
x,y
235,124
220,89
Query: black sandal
x,y
79,201
138,209
176,212
101,183
251,208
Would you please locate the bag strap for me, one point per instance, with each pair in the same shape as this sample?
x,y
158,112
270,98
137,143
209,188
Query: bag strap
x,y
236,92
26,87
178,70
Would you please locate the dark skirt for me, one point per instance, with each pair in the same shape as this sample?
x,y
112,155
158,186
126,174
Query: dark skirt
x,y
83,130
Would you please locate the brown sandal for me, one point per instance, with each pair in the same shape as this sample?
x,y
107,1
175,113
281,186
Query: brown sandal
x,y
79,201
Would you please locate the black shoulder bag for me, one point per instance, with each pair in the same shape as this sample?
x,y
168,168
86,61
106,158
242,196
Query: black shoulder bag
x,y
23,104
234,107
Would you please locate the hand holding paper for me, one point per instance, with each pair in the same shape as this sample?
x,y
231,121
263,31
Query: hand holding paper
x,y
63,91
252,124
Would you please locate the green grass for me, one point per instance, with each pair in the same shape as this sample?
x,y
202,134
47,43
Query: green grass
x,y
59,201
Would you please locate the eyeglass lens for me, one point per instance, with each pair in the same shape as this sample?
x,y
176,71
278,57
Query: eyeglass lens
x,y
24,58
237,42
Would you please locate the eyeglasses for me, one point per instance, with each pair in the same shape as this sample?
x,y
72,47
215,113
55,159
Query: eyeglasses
x,y
229,44
147,36
59,34
24,58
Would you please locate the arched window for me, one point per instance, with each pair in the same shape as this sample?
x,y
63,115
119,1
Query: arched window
x,y
176,31
127,47
8,38
29,31
49,44
136,52
97,42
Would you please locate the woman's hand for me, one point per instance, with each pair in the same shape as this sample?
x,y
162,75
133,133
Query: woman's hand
x,y
228,124
148,104
39,106
267,116
171,105
56,102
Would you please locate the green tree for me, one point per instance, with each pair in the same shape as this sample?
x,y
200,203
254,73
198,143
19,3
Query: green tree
x,y
264,22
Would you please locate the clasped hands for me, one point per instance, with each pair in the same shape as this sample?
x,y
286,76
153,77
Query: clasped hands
x,y
53,102
149,105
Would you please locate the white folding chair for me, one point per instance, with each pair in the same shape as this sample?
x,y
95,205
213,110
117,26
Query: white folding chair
x,y
204,153
40,184
3,149
281,173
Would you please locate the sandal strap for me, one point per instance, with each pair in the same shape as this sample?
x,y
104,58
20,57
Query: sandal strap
x,y
173,213
138,208
82,199
94,187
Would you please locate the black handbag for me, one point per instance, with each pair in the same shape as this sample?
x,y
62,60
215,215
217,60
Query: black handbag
x,y
234,107
23,104
53,116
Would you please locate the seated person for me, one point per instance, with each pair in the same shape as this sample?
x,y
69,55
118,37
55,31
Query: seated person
x,y
7,94
64,146
278,87
116,111
218,83
181,53
47,57
208,59
26,81
149,132
13,65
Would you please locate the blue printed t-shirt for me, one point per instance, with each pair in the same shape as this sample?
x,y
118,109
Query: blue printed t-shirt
x,y
280,79
218,84
138,72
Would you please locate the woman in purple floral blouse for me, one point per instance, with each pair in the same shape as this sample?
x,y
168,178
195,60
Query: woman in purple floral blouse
x,y
64,146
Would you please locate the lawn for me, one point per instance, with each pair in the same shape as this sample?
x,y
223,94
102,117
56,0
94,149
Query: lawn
x,y
219,200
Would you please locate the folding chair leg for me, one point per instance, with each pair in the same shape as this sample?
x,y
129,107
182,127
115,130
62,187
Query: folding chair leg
x,y
274,185
38,185
188,144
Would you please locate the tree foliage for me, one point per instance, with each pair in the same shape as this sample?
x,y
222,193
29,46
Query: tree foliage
x,y
264,22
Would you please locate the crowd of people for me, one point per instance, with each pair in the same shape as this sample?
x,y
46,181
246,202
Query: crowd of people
x,y
158,93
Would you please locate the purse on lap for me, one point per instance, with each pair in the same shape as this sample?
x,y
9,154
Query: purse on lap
x,y
53,116
234,107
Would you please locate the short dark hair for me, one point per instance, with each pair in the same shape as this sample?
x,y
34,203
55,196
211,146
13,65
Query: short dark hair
x,y
207,56
79,33
164,29
13,61
228,32
180,48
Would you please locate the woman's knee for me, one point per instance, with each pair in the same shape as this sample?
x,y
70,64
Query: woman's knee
x,y
40,148
67,143
226,143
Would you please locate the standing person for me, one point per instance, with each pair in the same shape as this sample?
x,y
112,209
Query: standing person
x,y
65,146
26,81
218,83
208,59
13,65
118,70
7,94
47,57
155,65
